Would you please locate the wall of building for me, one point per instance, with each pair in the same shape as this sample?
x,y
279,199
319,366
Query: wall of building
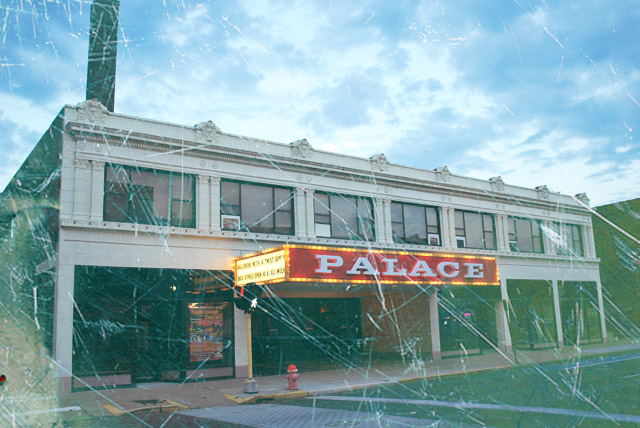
x,y
94,139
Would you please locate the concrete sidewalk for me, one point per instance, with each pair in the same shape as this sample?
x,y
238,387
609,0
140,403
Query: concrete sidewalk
x,y
168,397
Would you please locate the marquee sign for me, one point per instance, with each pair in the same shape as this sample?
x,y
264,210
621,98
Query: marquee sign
x,y
355,265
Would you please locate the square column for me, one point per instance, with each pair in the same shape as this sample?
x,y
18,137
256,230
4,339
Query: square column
x,y
240,339
434,321
300,212
603,324
203,206
97,190
63,325
502,325
310,213
556,307
502,319
214,199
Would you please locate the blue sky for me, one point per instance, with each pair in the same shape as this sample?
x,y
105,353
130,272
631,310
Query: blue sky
x,y
539,92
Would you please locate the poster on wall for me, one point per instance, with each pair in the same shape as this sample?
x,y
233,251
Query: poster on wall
x,y
205,332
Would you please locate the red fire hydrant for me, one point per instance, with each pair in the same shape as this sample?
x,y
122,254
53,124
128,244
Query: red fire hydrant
x,y
292,375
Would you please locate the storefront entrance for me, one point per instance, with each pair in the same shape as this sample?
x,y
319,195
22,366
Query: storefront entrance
x,y
312,333
580,314
148,325
467,319
532,318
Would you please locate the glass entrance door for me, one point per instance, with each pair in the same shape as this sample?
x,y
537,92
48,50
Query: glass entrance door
x,y
161,342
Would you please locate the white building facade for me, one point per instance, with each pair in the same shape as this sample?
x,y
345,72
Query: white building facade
x,y
171,206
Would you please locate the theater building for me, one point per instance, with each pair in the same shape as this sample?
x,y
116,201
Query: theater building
x,y
363,261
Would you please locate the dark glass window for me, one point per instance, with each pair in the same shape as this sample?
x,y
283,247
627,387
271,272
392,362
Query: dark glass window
x,y
525,235
257,208
345,217
145,196
415,224
475,230
568,239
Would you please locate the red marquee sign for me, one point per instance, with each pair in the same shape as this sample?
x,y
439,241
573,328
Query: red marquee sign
x,y
329,264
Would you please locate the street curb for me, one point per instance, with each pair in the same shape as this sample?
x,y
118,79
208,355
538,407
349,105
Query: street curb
x,y
166,407
347,388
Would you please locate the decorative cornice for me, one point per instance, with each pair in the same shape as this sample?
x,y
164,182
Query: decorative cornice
x,y
442,184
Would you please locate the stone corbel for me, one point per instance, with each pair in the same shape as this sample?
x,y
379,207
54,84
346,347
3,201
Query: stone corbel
x,y
543,191
301,149
207,132
92,111
497,184
442,174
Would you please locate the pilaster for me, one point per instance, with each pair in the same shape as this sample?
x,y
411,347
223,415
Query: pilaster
x,y
444,227
300,212
214,186
451,229
310,214
589,243
379,220
387,229
80,210
203,205
502,232
97,190
547,229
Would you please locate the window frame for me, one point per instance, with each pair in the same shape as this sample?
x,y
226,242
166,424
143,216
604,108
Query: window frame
x,y
403,239
563,249
276,209
463,236
513,243
131,212
359,219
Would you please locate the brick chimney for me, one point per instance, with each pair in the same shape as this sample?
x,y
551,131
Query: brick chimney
x,y
103,47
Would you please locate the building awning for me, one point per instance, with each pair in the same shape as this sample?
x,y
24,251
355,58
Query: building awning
x,y
306,263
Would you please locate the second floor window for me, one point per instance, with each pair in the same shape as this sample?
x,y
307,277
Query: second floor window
x,y
475,230
146,196
256,208
415,224
568,239
525,235
343,216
